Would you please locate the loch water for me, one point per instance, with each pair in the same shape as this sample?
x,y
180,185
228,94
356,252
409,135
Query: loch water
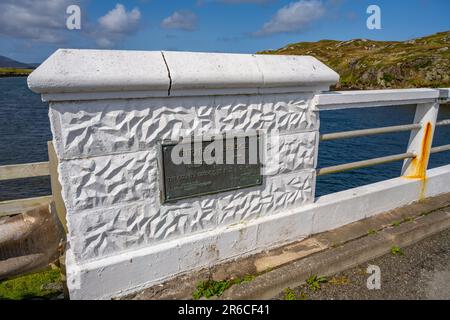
x,y
25,130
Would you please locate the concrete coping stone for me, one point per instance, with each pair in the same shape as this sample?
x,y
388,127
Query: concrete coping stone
x,y
89,71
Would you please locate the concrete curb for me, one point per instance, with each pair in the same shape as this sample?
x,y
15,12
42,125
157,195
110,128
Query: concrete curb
x,y
182,286
338,259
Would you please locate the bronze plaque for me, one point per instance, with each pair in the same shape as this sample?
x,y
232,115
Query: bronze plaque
x,y
197,176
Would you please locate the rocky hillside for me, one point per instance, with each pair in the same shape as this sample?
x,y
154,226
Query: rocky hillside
x,y
367,64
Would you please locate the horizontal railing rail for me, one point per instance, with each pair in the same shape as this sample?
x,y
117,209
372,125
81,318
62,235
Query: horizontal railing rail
x,y
368,132
440,149
12,207
364,163
335,100
22,171
445,122
26,170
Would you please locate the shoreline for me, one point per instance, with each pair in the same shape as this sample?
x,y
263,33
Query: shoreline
x,y
15,72
14,75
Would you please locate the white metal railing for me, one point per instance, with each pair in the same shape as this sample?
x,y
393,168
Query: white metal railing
x,y
368,132
443,123
440,149
419,148
364,163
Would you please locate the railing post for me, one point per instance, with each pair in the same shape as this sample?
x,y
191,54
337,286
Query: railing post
x,y
56,186
421,140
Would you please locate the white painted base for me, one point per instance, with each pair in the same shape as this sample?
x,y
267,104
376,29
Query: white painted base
x,y
131,271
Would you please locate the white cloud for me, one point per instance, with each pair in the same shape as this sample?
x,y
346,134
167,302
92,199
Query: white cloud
x,y
43,21
116,25
118,20
184,20
293,17
104,42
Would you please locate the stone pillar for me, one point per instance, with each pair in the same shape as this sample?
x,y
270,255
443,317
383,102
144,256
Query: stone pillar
x,y
111,112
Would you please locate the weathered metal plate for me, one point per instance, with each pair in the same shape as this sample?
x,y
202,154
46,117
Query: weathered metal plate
x,y
182,181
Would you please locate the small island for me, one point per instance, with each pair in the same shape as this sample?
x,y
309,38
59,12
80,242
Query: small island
x,y
14,72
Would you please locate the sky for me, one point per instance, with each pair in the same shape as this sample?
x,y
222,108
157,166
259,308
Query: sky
x,y
31,30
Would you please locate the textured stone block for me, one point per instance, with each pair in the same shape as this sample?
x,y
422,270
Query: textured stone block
x,y
96,128
273,112
105,232
108,180
290,152
134,225
108,127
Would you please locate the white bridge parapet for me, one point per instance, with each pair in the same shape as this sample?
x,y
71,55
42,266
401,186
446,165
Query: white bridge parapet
x,y
111,113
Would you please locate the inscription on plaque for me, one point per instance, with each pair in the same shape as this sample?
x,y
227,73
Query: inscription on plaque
x,y
210,167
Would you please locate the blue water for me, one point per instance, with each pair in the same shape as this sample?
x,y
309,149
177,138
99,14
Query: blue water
x,y
350,150
24,132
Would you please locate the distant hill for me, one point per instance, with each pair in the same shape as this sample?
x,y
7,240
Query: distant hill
x,y
10,63
13,68
367,64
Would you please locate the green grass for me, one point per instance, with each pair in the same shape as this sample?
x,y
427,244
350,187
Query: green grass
x,y
31,286
396,223
408,219
211,288
314,282
14,71
367,64
396,251
388,77
289,294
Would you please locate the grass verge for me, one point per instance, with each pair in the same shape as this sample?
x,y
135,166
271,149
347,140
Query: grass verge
x,y
41,285
211,288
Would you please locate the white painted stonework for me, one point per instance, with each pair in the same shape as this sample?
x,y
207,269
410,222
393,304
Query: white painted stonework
x,y
109,168
109,112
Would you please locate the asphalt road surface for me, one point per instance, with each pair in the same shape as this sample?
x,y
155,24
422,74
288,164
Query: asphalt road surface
x,y
420,271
